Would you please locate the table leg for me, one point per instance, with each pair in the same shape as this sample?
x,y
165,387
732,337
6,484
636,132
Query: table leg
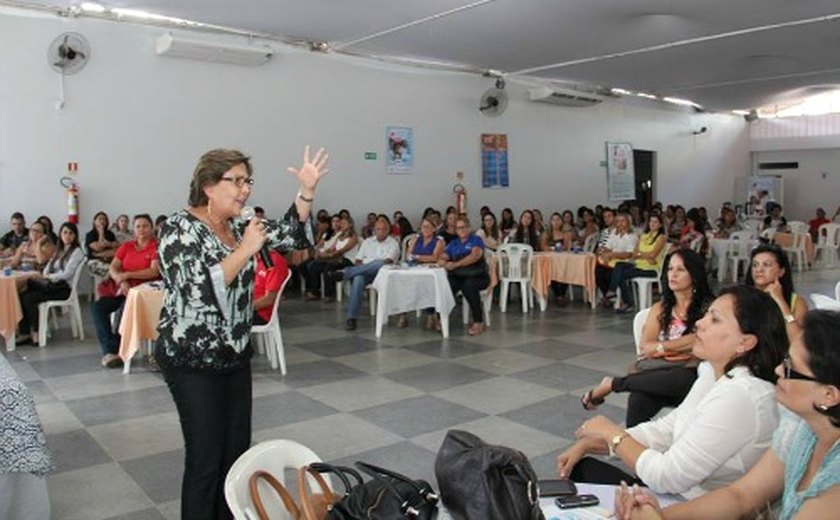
x,y
11,343
127,366
380,312
444,324
722,268
543,301
592,297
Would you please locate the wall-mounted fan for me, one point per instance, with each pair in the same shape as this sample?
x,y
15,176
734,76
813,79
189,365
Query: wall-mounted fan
x,y
495,100
69,53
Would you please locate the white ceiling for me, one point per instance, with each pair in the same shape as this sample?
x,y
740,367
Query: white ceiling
x,y
722,54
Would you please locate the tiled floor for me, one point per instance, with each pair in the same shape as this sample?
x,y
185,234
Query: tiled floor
x,y
348,396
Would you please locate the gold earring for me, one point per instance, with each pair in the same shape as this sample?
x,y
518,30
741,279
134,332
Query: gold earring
x,y
209,207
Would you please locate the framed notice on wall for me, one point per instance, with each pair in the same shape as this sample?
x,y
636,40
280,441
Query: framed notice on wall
x,y
399,157
494,161
621,177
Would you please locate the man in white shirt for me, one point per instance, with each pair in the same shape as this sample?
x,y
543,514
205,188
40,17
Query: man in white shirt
x,y
619,247
376,251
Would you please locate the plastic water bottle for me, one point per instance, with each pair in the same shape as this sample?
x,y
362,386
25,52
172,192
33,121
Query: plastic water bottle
x,y
7,271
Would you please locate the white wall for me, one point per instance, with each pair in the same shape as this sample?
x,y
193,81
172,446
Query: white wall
x,y
137,122
815,184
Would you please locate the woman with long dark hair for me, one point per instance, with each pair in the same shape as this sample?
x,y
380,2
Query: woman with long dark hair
x,y
725,422
53,283
507,224
489,231
526,231
770,271
666,369
645,262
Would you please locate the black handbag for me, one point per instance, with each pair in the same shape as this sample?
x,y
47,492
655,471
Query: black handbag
x,y
386,496
480,481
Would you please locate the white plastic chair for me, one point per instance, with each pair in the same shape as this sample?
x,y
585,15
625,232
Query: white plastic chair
x,y
837,291
643,285
824,302
797,249
274,457
270,335
72,301
797,226
638,324
828,240
768,234
515,267
404,247
740,247
486,304
590,243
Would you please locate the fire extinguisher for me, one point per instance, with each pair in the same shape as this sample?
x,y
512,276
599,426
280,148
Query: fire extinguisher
x,y
72,188
460,198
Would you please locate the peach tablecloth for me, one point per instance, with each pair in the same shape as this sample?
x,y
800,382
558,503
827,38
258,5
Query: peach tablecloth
x,y
10,311
139,320
570,268
786,239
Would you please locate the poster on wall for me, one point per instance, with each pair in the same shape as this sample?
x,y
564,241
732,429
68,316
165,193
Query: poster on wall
x,y
762,190
494,161
399,157
621,177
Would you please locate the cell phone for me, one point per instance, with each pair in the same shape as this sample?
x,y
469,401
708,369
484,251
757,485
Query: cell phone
x,y
576,501
556,488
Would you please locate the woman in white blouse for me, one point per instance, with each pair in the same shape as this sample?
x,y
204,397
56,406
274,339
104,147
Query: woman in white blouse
x,y
723,425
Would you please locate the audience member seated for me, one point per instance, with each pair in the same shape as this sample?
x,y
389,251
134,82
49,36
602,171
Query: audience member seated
x,y
121,230
395,226
447,231
376,251
774,220
11,241
704,224
801,470
49,229
568,219
259,212
727,223
339,253
676,224
463,258
34,252
770,271
607,229
556,238
326,231
134,263
53,283
507,225
367,229
724,424
489,232
645,263
267,284
425,248
159,222
101,244
815,223
405,229
539,225
691,231
620,246
525,232
588,226
666,368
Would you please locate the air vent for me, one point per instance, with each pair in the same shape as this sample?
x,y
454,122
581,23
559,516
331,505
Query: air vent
x,y
563,97
778,166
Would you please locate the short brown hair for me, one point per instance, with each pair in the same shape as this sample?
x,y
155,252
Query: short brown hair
x,y
210,169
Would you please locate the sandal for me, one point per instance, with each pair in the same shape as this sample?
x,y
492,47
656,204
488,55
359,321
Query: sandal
x,y
590,402
476,329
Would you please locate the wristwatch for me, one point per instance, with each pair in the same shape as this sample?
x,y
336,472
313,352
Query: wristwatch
x,y
613,443
660,348
790,318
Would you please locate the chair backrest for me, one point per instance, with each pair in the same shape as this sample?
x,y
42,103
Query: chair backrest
x,y
797,226
74,283
824,302
405,242
740,244
837,291
697,244
590,243
271,456
768,234
829,235
515,261
798,240
638,325
274,316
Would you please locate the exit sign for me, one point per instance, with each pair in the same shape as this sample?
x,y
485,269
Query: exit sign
x,y
370,156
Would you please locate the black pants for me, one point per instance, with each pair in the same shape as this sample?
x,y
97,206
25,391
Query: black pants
x,y
603,275
654,389
36,293
594,471
315,268
215,414
471,287
559,289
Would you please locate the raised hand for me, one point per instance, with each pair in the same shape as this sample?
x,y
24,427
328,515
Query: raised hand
x,y
312,170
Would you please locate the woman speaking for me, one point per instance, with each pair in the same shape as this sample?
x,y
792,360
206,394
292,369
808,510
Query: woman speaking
x,y
206,257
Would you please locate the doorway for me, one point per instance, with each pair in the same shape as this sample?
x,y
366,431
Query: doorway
x,y
644,165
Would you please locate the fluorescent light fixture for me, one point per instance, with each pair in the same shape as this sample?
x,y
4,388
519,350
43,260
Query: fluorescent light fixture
x,y
680,101
646,95
621,92
214,51
741,112
92,7
139,15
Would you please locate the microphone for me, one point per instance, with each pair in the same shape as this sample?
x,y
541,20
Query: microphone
x,y
248,213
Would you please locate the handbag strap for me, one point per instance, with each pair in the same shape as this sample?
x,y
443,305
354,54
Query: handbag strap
x,y
377,472
254,491
305,493
340,471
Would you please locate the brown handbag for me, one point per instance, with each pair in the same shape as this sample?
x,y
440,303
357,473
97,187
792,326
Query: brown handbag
x,y
314,505
288,501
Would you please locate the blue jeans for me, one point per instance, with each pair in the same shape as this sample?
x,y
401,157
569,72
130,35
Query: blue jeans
x,y
359,276
101,310
623,273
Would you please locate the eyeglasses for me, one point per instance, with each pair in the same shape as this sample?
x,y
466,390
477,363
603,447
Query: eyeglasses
x,y
239,181
790,373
